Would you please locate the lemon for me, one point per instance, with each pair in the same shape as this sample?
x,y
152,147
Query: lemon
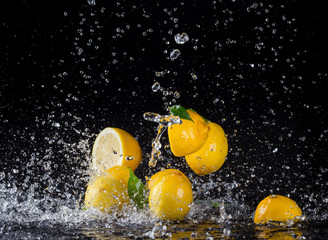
x,y
170,195
277,208
114,146
120,173
211,156
107,194
157,176
189,136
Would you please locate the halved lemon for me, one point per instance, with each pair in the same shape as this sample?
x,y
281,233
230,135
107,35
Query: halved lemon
x,y
114,146
189,136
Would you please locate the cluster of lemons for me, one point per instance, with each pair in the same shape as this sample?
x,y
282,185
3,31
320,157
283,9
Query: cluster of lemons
x,y
116,154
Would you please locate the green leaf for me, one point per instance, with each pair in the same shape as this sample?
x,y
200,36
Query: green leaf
x,y
181,112
206,120
136,190
218,204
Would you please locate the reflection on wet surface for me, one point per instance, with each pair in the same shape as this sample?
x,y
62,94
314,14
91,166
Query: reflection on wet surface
x,y
182,230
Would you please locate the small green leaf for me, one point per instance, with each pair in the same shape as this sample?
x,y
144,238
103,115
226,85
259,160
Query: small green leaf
x,y
218,204
181,112
206,120
136,190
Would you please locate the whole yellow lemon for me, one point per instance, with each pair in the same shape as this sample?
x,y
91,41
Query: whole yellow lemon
x,y
157,176
277,208
170,196
121,173
107,194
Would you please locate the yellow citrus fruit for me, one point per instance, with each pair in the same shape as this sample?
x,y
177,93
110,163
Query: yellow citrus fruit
x,y
121,173
277,208
157,176
211,156
114,146
189,136
170,196
107,194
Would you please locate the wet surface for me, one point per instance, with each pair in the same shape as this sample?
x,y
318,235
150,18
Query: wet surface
x,y
184,230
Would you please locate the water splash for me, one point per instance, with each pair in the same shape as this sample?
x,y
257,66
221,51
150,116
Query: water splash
x,y
164,121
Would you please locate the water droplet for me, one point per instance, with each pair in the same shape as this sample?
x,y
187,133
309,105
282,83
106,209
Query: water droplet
x,y
2,175
92,2
57,125
176,95
156,86
175,54
181,38
159,74
129,158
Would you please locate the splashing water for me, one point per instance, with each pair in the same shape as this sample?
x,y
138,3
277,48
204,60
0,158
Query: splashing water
x,y
164,122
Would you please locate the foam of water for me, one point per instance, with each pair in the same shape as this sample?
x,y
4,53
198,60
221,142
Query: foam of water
x,y
23,208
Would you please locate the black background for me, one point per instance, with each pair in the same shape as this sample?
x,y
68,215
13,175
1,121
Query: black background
x,y
258,97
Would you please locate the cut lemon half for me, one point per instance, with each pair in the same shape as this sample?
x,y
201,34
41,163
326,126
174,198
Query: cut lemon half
x,y
113,147
189,136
